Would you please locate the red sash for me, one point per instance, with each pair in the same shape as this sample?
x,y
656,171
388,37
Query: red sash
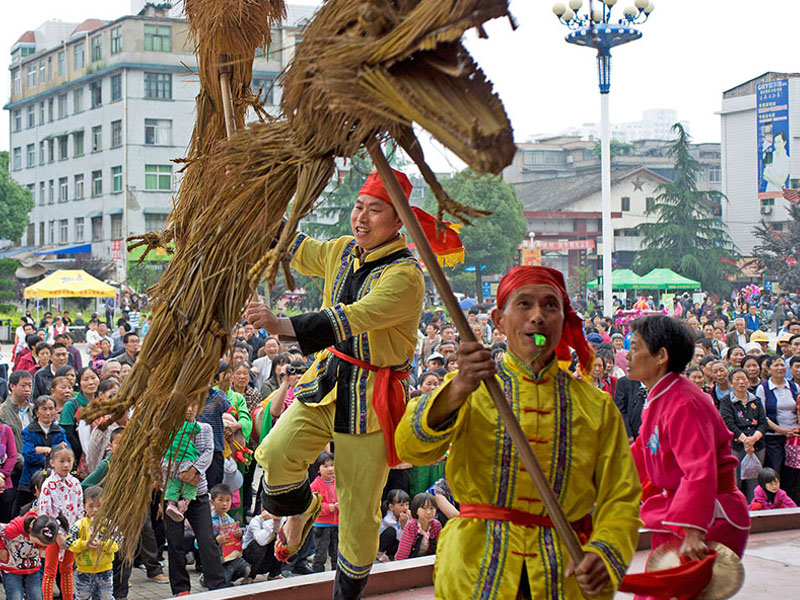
x,y
583,526
388,400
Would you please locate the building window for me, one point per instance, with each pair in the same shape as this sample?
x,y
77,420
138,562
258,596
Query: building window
x,y
97,48
31,155
116,134
16,81
63,189
77,100
626,204
116,227
17,158
158,177
51,192
49,68
42,72
266,86
116,179
96,93
41,233
41,112
116,40
77,143
51,232
31,116
17,120
51,103
51,150
116,87
97,229
158,86
62,106
648,203
62,63
41,152
97,138
63,231
41,193
154,222
97,183
715,174
31,76
62,147
32,189
78,229
158,38
158,132
31,232
79,187
77,56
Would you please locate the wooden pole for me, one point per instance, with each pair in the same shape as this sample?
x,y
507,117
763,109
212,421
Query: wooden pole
x,y
526,454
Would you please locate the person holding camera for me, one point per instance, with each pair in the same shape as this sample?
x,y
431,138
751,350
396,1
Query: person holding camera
x,y
282,398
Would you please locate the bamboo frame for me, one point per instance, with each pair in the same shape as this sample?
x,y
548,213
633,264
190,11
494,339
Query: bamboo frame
x,y
526,454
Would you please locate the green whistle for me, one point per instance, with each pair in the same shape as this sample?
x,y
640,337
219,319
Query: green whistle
x,y
539,339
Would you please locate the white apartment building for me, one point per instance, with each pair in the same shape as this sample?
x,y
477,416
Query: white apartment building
x,y
742,157
655,124
99,110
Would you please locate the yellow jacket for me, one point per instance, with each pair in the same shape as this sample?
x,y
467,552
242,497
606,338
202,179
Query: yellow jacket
x,y
86,559
370,310
579,438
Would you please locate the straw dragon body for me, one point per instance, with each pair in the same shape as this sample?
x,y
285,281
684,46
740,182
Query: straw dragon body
x,y
364,70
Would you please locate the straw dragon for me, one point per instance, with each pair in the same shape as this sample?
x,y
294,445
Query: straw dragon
x,y
364,70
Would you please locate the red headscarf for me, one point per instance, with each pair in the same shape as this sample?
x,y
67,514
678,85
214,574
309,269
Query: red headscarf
x,y
444,240
572,334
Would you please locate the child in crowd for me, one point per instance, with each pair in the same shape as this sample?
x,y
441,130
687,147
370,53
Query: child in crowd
x,y
326,527
421,531
38,440
97,476
181,456
20,557
393,523
37,480
94,557
228,534
768,494
259,545
61,495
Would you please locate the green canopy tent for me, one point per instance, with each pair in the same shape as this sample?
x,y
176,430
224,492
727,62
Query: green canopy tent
x,y
621,279
667,279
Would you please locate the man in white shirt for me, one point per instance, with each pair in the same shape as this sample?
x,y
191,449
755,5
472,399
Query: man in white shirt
x,y
739,336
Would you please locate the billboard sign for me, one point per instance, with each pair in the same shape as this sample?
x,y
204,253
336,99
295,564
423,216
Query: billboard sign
x,y
772,119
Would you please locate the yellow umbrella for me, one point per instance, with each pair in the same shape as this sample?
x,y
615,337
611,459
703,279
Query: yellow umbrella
x,y
66,283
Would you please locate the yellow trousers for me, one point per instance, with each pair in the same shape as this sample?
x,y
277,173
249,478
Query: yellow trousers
x,y
361,469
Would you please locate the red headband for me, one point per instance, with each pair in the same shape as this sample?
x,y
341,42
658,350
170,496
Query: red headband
x,y
572,334
444,240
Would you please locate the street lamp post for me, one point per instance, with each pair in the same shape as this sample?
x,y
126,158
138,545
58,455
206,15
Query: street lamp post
x,y
595,30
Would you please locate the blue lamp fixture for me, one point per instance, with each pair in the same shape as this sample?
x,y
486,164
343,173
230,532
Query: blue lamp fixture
x,y
596,29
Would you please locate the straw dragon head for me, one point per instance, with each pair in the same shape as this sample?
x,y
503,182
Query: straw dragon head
x,y
373,66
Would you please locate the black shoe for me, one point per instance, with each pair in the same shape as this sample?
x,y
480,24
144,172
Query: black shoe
x,y
302,568
347,588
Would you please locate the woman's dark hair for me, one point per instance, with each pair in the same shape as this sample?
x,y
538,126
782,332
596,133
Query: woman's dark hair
x,y
280,359
223,366
39,402
397,497
32,340
420,501
735,371
661,331
42,346
81,372
425,375
37,479
766,360
767,475
751,357
322,459
107,384
59,448
64,371
708,358
693,369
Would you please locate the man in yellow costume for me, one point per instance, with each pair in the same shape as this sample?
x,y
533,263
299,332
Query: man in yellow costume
x,y
355,392
503,544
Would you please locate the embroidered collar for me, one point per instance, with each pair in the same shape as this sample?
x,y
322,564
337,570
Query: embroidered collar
x,y
518,367
362,256
660,388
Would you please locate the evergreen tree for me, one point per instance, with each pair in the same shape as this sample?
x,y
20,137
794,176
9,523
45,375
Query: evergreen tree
x,y
687,237
777,251
15,204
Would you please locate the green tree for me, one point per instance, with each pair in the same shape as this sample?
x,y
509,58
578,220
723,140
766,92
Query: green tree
x,y
15,204
777,251
687,237
617,149
491,241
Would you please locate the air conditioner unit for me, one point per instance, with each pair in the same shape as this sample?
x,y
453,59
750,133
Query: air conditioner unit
x,y
766,210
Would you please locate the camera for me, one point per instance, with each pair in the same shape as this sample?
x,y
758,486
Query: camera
x,y
290,370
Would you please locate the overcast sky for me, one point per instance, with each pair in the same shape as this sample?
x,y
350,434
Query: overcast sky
x,y
691,51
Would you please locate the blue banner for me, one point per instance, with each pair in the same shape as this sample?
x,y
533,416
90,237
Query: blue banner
x,y
772,118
